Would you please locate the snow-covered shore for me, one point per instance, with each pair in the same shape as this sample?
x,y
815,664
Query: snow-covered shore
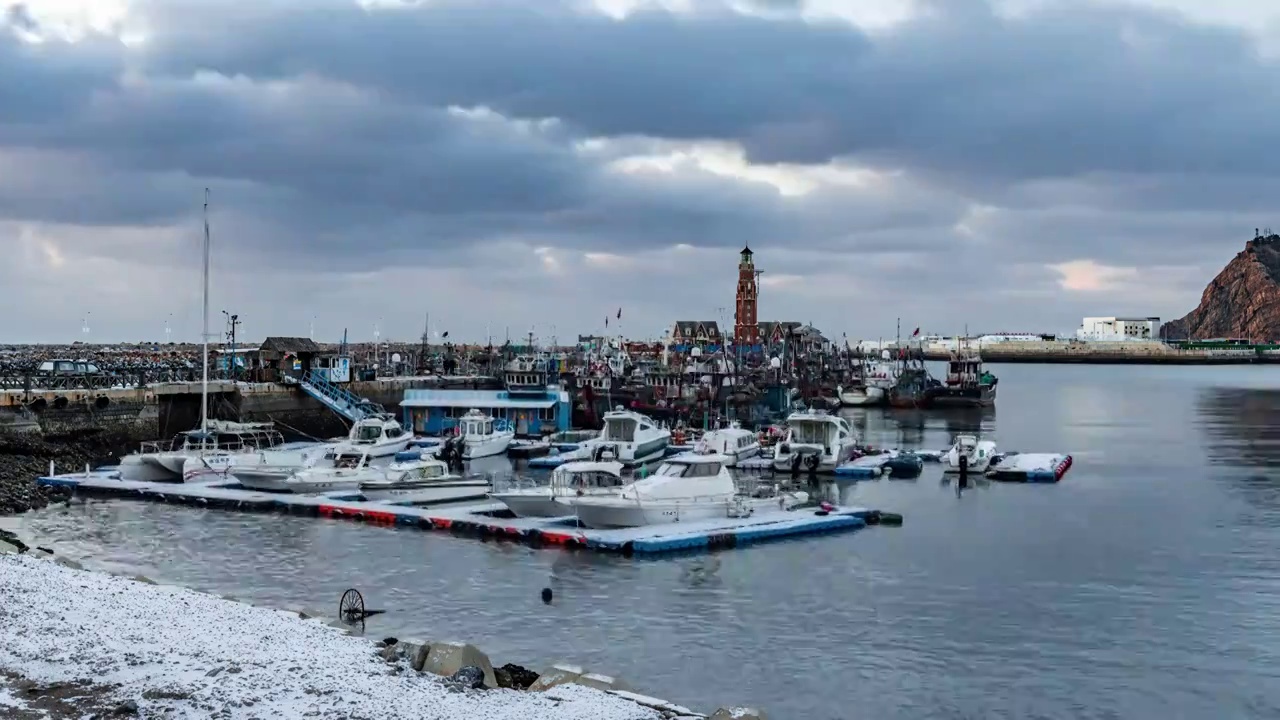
x,y
176,653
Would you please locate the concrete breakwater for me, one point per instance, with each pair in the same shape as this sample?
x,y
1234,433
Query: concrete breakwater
x,y
160,411
1113,353
141,648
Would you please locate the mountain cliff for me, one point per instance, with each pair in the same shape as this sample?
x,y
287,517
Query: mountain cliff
x,y
1243,301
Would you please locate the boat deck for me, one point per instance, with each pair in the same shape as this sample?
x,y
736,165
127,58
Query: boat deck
x,y
485,520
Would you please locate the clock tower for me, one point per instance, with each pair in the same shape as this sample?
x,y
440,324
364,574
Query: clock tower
x,y
746,329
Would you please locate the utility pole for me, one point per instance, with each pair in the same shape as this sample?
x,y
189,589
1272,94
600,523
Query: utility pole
x,y
233,322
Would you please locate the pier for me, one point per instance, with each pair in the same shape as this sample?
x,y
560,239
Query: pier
x,y
490,520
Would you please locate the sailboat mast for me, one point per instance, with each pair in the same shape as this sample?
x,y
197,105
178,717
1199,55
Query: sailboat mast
x,y
204,375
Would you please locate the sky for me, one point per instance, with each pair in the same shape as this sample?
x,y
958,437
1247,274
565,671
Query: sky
x,y
494,167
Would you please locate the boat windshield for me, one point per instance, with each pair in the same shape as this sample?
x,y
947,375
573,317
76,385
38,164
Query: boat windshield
x,y
809,432
368,432
620,429
671,470
347,461
591,479
430,471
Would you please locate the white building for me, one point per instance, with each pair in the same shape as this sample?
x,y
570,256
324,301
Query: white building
x,y
1115,329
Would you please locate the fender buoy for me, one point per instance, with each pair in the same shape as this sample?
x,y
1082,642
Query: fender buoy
x,y
59,402
102,402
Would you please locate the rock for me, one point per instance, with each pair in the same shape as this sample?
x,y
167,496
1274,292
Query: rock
x,y
6,548
128,707
388,642
417,652
557,674
68,562
470,677
447,658
601,682
144,579
1243,301
521,677
739,713
504,679
389,653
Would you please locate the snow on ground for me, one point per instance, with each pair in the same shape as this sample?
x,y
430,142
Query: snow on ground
x,y
182,654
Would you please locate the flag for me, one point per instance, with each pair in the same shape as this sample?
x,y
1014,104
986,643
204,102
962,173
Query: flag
x,y
445,334
619,313
917,332
606,321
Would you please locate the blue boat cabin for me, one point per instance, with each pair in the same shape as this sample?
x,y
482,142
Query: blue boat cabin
x,y
436,411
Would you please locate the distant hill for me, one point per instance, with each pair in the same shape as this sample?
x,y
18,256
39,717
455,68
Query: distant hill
x,y
1243,301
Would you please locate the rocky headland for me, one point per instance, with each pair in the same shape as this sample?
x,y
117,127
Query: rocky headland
x,y
1243,301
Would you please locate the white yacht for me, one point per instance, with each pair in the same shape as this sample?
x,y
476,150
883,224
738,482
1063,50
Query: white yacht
x,y
569,481
978,452
631,438
687,487
351,466
381,434
422,480
483,436
168,461
818,440
733,442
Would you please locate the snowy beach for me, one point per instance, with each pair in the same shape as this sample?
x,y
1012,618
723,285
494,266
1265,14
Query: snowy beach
x,y
73,643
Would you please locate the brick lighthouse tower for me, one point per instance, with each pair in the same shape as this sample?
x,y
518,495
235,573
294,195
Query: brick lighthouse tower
x,y
746,329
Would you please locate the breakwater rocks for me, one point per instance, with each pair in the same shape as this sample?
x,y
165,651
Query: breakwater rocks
x,y
217,657
26,456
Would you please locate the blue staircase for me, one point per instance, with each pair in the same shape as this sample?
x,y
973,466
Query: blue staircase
x,y
339,399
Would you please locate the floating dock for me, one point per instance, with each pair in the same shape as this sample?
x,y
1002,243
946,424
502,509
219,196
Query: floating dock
x,y
490,520
1030,468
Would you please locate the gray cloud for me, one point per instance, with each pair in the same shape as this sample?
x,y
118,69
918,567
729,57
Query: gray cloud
x,y
334,144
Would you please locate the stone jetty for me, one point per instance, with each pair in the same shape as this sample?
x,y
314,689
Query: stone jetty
x,y
78,643
24,457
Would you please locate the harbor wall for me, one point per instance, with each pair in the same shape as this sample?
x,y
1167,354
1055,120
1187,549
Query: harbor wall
x,y
1113,353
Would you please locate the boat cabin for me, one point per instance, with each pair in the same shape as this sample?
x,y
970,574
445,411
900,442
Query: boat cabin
x,y
691,466
525,375
475,423
376,430
964,370
231,440
622,427
585,475
426,471
348,461
818,429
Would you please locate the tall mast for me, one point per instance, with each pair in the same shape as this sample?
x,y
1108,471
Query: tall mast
x,y
204,374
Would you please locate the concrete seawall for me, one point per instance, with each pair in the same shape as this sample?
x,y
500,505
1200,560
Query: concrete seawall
x,y
160,411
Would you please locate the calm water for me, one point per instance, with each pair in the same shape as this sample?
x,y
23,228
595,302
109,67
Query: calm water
x,y
1146,585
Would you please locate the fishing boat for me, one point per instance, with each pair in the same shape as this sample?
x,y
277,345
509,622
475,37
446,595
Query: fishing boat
x,y
815,440
685,488
422,479
967,384
978,454
381,435
483,436
583,478
733,442
628,437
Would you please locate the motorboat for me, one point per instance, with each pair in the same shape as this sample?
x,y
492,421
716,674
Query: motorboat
x,y
351,466
381,434
483,436
572,480
628,437
860,394
815,440
978,453
967,384
734,442
168,461
424,479
685,488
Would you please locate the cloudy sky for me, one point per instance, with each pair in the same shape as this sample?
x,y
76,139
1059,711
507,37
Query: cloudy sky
x,y
507,164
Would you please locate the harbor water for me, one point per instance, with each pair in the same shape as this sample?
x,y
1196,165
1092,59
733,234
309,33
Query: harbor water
x,y
1145,585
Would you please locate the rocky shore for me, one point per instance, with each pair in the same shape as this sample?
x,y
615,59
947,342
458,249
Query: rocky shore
x,y
76,643
23,457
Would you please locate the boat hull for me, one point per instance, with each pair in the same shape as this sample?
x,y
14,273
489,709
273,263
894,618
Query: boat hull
x,y
827,462
312,487
426,493
973,396
263,478
532,504
497,444
146,468
632,513
862,398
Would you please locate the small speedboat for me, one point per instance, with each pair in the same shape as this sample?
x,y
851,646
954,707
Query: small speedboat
x,y
424,479
350,468
483,436
685,488
572,480
977,453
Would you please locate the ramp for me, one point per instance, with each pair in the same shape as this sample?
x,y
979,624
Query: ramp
x,y
337,398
